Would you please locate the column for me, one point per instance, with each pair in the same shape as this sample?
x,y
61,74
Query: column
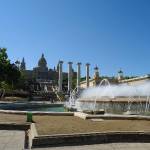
x,y
60,76
87,75
69,76
78,75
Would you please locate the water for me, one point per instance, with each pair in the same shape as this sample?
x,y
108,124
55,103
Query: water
x,y
55,108
71,102
49,109
105,83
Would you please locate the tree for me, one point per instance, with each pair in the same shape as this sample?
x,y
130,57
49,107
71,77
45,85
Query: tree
x,y
3,63
8,72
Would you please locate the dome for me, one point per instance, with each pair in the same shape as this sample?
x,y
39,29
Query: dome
x,y
96,68
42,62
120,71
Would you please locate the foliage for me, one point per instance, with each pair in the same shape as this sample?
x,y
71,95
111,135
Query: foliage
x,y
5,85
21,84
9,73
74,83
83,79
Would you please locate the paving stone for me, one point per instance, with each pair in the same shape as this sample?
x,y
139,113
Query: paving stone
x,y
11,140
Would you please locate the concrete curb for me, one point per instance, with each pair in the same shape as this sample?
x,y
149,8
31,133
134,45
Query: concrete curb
x,y
118,117
29,136
81,115
37,113
90,138
111,117
14,126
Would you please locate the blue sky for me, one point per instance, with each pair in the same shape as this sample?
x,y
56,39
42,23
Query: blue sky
x,y
110,33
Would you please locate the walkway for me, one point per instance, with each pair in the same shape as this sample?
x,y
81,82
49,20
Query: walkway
x,y
11,140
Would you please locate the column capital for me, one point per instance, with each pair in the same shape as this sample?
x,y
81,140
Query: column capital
x,y
61,62
79,63
70,63
87,64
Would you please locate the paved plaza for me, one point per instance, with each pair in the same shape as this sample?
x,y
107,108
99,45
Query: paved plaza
x,y
11,140
113,146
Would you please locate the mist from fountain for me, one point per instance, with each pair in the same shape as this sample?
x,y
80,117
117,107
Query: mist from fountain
x,y
73,96
104,83
117,90
135,94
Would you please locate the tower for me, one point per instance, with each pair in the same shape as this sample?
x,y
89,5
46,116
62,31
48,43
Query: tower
x,y
120,75
96,75
23,65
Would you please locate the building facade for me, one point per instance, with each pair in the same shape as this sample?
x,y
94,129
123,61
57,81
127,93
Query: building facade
x,y
41,73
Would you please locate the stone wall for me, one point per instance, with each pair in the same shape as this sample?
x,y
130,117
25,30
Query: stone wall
x,y
91,138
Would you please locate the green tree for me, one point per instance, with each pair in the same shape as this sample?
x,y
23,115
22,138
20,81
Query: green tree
x,y
8,72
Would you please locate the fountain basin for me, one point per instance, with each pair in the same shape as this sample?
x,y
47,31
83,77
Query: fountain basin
x,y
114,99
117,105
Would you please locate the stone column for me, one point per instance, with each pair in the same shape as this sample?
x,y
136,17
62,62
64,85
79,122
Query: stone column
x,y
60,76
87,75
69,76
78,75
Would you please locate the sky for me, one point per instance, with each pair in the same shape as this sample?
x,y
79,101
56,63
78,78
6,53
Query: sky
x,y
111,34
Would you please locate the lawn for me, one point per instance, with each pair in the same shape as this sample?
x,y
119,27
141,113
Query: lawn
x,y
47,125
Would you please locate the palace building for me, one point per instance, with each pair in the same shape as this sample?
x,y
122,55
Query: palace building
x,y
41,73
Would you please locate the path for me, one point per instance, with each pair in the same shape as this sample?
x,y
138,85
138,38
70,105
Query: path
x,y
11,140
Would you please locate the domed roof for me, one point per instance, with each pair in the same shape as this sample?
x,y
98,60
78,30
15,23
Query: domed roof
x,y
42,62
120,71
96,68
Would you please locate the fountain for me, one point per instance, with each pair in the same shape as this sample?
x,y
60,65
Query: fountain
x,y
132,99
45,89
71,102
104,82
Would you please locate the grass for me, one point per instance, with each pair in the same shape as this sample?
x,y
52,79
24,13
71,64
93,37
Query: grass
x,y
12,118
47,125
66,125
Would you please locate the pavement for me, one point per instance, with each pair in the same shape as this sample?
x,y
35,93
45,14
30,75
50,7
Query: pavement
x,y
12,140
111,146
